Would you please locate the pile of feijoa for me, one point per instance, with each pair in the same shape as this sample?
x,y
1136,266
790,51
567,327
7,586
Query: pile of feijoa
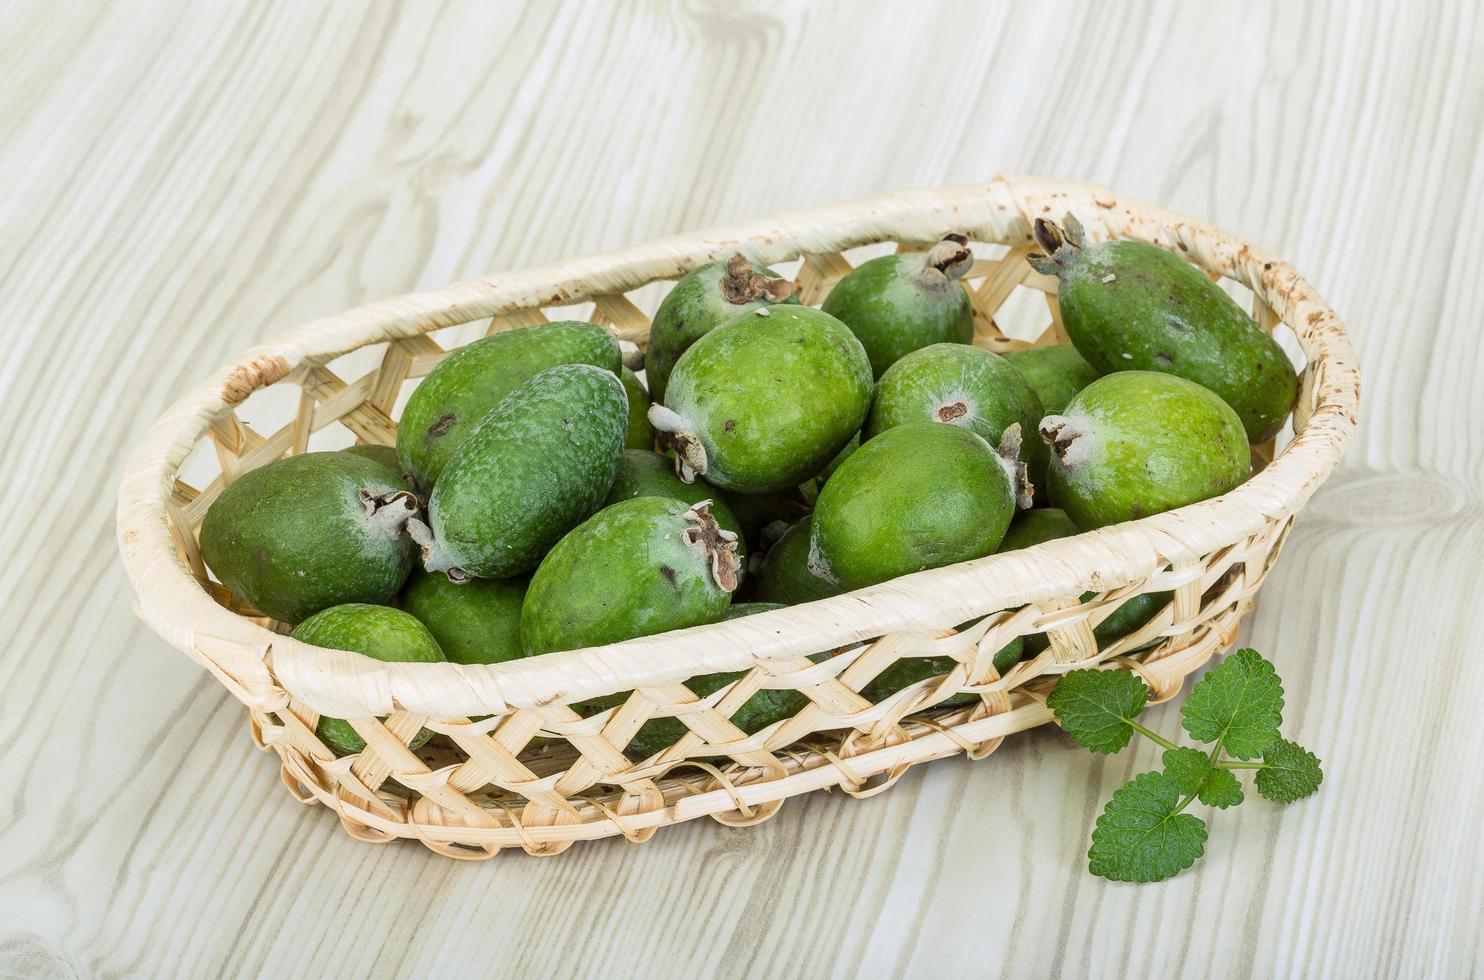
x,y
537,501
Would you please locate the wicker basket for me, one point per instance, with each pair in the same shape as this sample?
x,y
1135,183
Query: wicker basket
x,y
493,783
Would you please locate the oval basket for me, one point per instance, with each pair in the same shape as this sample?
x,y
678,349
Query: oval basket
x,y
528,770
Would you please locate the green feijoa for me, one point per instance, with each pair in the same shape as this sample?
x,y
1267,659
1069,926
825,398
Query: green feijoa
x,y
475,622
964,386
918,496
1055,374
645,565
702,299
910,670
1032,527
542,461
1132,306
784,576
647,474
765,400
640,433
1138,443
471,381
311,531
378,632
900,303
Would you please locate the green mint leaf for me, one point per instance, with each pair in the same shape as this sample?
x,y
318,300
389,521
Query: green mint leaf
x,y
1291,772
1221,789
1239,702
1188,768
1140,837
1095,707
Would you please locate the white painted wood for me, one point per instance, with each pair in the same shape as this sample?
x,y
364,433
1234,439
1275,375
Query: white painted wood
x,y
181,180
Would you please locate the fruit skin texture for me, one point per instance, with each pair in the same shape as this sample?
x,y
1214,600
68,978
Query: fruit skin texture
x,y
534,467
964,386
630,570
311,531
785,578
900,303
471,381
378,632
1055,374
475,622
698,303
640,433
1138,443
918,496
647,474
1129,305
763,402
1032,527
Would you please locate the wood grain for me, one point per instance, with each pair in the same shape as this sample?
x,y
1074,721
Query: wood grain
x,y
184,179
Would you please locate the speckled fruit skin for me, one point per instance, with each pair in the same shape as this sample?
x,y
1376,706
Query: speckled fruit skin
x,y
294,537
894,311
471,381
1133,306
772,398
689,311
646,474
475,622
1032,527
964,386
909,671
625,572
640,433
534,467
378,632
784,577
918,496
1055,374
1138,443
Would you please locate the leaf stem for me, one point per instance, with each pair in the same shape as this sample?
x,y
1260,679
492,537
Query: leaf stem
x,y
1233,764
1154,737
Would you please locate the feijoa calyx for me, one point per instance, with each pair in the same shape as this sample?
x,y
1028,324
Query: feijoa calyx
x,y
644,565
378,632
1138,443
900,303
1132,306
470,382
311,531
764,401
539,463
701,300
918,496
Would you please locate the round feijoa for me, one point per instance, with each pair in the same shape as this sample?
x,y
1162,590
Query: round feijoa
x,y
311,531
1137,443
645,565
920,495
535,466
900,303
378,632
475,622
1055,374
765,401
702,299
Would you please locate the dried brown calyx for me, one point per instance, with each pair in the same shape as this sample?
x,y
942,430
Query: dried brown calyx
x,y
743,284
715,545
1021,487
435,559
389,512
1060,243
675,432
951,257
1064,435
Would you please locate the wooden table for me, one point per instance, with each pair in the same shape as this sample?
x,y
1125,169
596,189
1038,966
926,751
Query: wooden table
x,y
182,179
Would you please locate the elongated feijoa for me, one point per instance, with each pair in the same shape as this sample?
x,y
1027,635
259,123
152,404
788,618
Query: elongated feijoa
x,y
645,565
900,303
764,401
920,495
471,381
378,632
1132,306
1055,373
475,622
311,531
702,299
533,468
1138,443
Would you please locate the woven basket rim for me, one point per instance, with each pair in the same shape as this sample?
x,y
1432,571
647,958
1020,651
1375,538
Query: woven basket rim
x,y
259,665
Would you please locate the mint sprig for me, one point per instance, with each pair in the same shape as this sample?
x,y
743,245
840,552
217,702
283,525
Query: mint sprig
x,y
1144,833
